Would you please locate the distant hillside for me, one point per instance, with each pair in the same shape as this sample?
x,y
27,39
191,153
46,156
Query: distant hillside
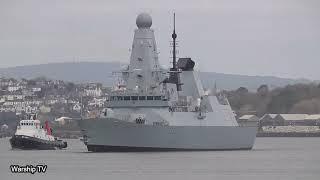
x,y
73,71
102,72
232,81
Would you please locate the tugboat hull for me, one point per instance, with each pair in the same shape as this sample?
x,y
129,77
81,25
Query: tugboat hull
x,y
27,142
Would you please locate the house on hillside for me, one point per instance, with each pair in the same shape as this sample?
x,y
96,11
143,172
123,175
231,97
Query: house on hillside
x,y
31,109
2,99
97,102
4,82
4,128
313,119
77,107
291,119
13,88
36,89
248,120
93,92
267,120
44,109
9,97
27,92
51,101
63,120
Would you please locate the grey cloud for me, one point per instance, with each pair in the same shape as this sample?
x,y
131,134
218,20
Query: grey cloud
x,y
254,37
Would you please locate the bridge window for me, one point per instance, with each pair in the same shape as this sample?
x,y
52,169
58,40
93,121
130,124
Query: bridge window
x,y
157,98
126,98
157,123
149,97
134,97
113,98
142,98
164,98
140,121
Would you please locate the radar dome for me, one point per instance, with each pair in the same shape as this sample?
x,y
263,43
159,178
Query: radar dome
x,y
144,20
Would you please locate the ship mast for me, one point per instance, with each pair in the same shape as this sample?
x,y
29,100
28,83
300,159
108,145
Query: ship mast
x,y
174,70
174,36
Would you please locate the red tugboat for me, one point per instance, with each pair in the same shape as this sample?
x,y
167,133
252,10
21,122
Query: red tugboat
x,y
31,135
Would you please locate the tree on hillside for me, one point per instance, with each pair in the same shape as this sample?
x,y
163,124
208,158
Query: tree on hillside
x,y
298,98
283,99
309,106
31,82
242,90
40,78
70,86
263,90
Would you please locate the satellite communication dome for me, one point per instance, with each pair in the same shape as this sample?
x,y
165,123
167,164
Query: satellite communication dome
x,y
144,20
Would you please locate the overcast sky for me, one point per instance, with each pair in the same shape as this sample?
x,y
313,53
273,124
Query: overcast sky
x,y
250,37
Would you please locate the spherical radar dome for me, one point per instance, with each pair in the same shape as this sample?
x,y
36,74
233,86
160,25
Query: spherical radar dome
x,y
144,20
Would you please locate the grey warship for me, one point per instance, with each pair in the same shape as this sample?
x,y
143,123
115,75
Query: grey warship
x,y
157,109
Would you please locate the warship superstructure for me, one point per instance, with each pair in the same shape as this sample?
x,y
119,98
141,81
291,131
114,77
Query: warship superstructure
x,y
155,109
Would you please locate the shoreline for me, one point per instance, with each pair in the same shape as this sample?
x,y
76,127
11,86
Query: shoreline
x,y
287,134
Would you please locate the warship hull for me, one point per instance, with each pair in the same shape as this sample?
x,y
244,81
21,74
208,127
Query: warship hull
x,y
113,135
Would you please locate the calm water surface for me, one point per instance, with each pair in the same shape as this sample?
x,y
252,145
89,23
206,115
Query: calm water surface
x,y
271,158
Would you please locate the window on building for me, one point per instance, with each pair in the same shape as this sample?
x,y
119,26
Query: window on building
x,y
157,98
120,98
142,98
149,97
126,98
134,97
